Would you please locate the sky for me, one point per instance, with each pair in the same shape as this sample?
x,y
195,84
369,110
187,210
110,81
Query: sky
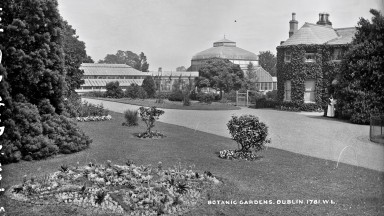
x,y
170,32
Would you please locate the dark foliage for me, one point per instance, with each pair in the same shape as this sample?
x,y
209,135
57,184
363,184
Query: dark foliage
x,y
176,95
360,91
149,86
114,90
131,118
206,97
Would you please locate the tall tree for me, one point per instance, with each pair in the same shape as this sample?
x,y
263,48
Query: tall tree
x,y
75,54
139,62
250,78
143,63
267,61
361,81
220,74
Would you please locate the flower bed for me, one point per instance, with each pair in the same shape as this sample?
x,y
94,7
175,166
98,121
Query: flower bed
x,y
233,154
94,118
115,189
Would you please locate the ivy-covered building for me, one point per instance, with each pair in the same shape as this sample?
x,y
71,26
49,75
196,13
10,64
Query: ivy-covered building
x,y
308,61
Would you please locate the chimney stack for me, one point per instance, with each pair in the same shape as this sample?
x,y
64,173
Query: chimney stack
x,y
324,19
293,25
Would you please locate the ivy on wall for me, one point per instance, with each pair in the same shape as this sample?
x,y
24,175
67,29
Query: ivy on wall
x,y
323,71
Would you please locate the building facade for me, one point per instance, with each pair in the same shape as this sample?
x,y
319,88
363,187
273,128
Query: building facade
x,y
96,77
309,60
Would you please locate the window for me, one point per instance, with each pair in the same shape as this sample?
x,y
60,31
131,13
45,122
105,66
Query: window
x,y
310,57
337,54
287,56
274,86
287,90
309,94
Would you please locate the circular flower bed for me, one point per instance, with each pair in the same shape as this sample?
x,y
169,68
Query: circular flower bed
x,y
128,189
233,154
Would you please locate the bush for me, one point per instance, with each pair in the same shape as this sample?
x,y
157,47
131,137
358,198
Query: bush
x,y
206,97
149,116
88,109
264,103
296,107
37,136
272,95
131,118
142,94
94,94
149,86
132,91
114,90
176,95
248,132
193,95
231,96
186,99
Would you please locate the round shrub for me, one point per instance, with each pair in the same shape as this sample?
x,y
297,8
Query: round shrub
x,y
206,97
176,96
131,118
248,132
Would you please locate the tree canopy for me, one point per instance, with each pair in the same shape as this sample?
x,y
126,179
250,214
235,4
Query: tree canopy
x,y
267,61
220,74
139,62
181,68
361,81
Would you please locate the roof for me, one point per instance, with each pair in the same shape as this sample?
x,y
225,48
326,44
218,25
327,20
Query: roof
x,y
110,69
225,52
225,49
263,75
345,36
103,82
319,34
175,74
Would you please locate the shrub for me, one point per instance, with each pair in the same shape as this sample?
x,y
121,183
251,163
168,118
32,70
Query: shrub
x,y
193,95
231,96
142,94
272,95
36,136
206,97
94,94
248,132
114,90
88,109
131,118
176,95
186,98
132,91
149,116
149,86
265,103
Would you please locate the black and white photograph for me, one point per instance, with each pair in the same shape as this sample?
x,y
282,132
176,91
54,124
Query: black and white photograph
x,y
191,107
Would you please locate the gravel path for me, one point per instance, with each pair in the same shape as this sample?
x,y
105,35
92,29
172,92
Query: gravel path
x,y
303,133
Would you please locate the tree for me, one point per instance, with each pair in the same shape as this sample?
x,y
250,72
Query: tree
x,y
114,90
34,83
143,63
181,68
88,59
267,61
220,74
75,54
360,91
139,62
250,77
149,86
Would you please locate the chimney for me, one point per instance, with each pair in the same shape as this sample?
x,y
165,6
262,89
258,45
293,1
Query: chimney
x,y
324,20
293,24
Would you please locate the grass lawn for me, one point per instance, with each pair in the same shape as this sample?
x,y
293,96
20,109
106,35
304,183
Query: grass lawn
x,y
195,105
280,175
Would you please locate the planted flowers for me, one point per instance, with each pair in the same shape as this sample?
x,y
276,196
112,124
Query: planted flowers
x,y
115,189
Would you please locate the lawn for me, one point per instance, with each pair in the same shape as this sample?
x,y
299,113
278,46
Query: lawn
x,y
280,175
195,105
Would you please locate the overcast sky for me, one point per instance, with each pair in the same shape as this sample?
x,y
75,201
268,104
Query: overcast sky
x,y
170,32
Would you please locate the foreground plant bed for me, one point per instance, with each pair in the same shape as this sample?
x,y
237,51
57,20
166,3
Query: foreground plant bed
x,y
115,189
